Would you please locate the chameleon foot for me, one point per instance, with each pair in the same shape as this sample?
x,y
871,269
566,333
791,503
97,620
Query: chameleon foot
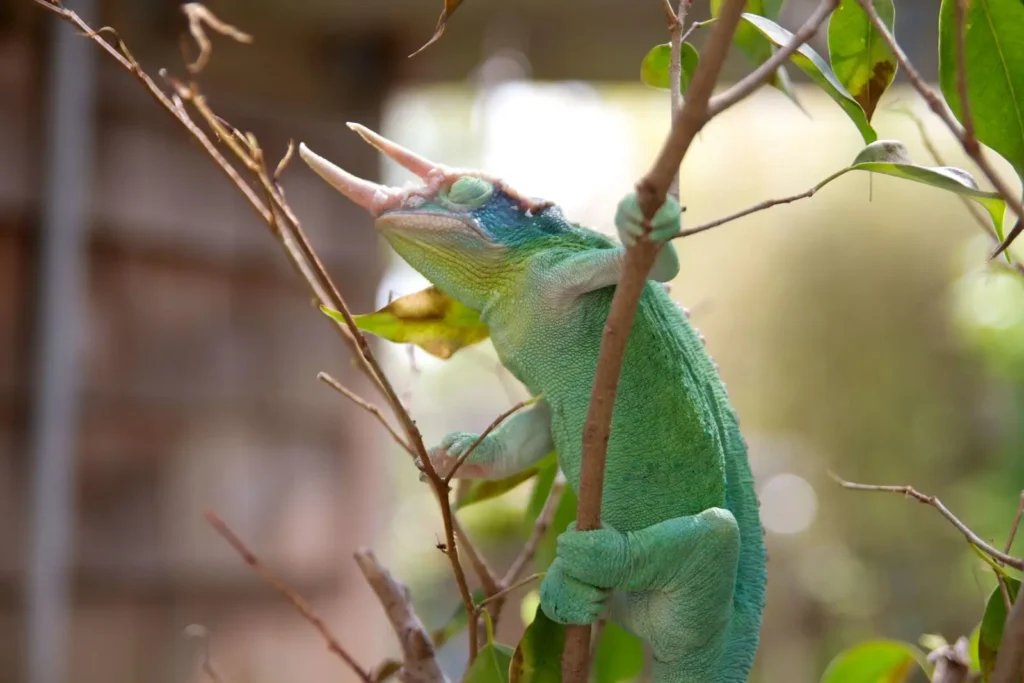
x,y
447,454
569,601
629,221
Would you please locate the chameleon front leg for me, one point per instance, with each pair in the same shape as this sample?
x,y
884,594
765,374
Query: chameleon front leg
x,y
678,577
515,444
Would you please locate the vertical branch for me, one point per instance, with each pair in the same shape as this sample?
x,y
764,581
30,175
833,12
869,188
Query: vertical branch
x,y
651,192
675,72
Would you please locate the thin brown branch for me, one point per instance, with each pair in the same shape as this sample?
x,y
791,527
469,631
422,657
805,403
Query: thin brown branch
x,y
1016,523
696,25
503,593
651,192
540,527
529,549
483,571
910,492
124,58
756,78
368,407
302,256
937,105
490,428
287,591
675,73
767,204
420,664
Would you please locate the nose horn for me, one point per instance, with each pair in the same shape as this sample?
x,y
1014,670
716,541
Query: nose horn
x,y
408,160
362,192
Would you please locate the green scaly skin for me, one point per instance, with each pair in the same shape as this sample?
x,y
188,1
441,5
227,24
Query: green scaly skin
x,y
680,559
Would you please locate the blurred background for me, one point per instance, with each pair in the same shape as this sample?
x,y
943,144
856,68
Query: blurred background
x,y
158,356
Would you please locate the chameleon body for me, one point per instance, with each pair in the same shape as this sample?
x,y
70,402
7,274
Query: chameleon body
x,y
680,559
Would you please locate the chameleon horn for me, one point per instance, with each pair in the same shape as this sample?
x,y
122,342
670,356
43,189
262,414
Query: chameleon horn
x,y
409,160
362,192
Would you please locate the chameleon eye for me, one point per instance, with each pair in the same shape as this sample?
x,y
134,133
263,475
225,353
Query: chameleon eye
x,y
469,192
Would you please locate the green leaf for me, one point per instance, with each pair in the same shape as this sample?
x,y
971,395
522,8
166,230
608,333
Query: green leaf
x,y
619,657
973,648
482,490
753,45
994,55
890,157
990,633
491,664
430,319
860,57
654,68
538,656
877,661
812,64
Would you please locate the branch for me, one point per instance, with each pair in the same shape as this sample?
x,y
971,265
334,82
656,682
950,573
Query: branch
x,y
757,78
675,71
420,663
362,403
483,571
287,230
971,537
651,192
937,105
490,428
766,204
287,591
1010,661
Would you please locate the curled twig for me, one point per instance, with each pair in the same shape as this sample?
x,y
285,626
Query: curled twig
x,y
198,15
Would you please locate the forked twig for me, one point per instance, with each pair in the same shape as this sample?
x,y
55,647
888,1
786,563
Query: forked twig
x,y
934,502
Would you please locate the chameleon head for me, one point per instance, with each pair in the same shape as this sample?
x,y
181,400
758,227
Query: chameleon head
x,y
463,230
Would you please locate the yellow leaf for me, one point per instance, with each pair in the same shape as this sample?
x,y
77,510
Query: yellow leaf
x,y
430,319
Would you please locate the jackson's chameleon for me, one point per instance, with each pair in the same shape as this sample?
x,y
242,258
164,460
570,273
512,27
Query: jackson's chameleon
x,y
680,559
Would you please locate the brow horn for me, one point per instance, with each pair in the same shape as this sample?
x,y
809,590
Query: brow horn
x,y
408,160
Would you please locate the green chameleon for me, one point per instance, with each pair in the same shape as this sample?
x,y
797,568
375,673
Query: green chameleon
x,y
680,558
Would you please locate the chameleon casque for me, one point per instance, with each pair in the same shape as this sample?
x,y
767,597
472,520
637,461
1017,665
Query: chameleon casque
x,y
680,558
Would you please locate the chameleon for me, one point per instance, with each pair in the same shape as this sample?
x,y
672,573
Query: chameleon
x,y
679,559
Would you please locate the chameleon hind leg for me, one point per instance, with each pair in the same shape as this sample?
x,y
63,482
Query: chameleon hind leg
x,y
678,577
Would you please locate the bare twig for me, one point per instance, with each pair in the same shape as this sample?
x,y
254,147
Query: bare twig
x,y
909,491
483,571
490,428
937,105
540,527
651,192
368,407
696,25
503,593
767,204
288,592
420,665
1016,523
286,228
675,72
757,78
529,549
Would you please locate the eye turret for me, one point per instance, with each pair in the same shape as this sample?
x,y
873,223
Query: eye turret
x,y
468,193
